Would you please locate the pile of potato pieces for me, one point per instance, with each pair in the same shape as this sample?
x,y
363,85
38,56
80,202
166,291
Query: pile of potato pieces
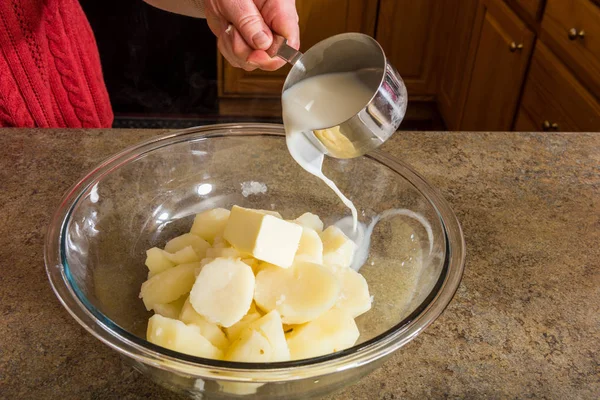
x,y
247,286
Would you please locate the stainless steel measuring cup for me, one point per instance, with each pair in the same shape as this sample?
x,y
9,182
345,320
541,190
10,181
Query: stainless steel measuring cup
x,y
350,52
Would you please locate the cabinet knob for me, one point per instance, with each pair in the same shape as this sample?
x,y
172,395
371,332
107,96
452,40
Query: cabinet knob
x,y
574,34
546,125
514,47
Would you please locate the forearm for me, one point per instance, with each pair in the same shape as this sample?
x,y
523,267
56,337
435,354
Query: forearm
x,y
191,8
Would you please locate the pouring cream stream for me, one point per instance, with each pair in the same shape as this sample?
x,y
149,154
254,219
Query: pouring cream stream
x,y
316,103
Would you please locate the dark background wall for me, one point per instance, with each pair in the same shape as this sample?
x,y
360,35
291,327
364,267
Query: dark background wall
x,y
155,63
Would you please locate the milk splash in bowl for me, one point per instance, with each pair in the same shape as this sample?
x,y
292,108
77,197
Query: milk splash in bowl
x,y
315,104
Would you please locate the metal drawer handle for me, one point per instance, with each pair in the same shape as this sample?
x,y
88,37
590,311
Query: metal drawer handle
x,y
514,47
574,34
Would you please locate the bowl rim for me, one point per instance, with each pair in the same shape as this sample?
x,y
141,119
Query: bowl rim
x,y
141,350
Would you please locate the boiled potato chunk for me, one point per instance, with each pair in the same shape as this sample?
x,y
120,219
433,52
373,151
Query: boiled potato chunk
x,y
203,262
226,252
210,223
300,293
169,285
181,242
175,335
220,243
310,248
184,256
265,237
209,330
157,261
338,249
223,291
172,309
248,286
234,331
252,262
250,347
271,328
333,331
309,220
269,212
354,295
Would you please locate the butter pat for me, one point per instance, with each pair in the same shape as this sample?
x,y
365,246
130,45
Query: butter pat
x,y
266,237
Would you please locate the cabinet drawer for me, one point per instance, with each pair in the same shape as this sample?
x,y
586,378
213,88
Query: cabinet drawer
x,y
502,45
553,94
572,29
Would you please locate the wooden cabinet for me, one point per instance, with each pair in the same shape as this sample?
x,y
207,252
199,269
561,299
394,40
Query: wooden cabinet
x,y
572,29
554,99
498,57
257,93
529,10
409,32
457,31
473,58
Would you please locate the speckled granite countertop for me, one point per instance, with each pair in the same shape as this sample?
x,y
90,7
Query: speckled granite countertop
x,y
525,322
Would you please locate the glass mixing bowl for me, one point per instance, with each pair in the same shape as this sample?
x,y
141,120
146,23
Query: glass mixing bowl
x,y
149,193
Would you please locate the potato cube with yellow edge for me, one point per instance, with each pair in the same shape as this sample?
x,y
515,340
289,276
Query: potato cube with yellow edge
x,y
169,285
209,330
310,220
170,310
338,249
198,244
249,347
184,256
271,327
157,261
310,248
211,223
177,336
265,237
233,332
333,331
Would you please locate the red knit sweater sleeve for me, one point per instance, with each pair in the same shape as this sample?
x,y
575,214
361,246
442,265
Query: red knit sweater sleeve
x,y
50,73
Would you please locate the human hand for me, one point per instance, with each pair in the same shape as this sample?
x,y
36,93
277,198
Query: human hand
x,y
254,22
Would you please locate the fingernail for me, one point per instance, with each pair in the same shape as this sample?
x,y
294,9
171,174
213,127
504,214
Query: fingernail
x,y
261,40
253,64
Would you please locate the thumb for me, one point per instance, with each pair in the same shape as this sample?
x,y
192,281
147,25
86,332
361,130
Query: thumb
x,y
244,15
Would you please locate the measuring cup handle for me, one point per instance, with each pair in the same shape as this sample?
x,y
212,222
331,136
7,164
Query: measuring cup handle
x,y
280,49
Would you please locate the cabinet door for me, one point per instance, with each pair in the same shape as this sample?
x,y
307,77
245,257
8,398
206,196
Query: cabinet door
x,y
571,28
408,31
554,99
455,71
318,20
501,52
